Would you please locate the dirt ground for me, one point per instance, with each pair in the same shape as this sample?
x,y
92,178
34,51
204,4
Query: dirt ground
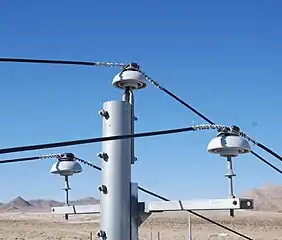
x,y
31,226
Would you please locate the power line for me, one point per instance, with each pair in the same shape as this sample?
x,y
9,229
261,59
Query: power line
x,y
136,135
186,105
159,86
88,163
269,151
30,158
99,168
266,162
19,159
64,62
156,84
92,140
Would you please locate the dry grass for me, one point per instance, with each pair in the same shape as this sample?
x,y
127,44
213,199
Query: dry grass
x,y
31,226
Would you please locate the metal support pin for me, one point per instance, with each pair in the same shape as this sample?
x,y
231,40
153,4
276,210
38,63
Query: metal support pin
x,y
66,189
129,97
230,174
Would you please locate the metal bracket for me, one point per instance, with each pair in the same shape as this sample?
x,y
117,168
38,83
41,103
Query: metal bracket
x,y
158,206
197,205
82,209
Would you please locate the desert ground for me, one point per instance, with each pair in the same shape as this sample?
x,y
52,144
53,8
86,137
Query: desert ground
x,y
172,226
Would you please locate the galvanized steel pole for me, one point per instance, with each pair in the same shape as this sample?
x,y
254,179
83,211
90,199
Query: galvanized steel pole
x,y
116,173
119,202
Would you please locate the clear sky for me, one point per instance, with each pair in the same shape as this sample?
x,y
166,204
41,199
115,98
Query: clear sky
x,y
222,57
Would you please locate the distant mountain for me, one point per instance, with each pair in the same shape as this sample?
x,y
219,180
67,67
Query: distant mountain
x,y
11,209
20,204
85,201
266,198
44,203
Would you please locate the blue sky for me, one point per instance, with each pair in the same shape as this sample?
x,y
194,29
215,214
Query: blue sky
x,y
222,57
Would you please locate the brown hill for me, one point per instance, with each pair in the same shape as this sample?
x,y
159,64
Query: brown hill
x,y
85,201
20,204
44,203
266,198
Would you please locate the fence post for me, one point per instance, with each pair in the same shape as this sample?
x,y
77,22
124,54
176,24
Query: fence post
x,y
159,236
189,228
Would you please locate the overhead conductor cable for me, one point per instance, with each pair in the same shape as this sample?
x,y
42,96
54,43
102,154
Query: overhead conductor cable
x,y
122,65
156,84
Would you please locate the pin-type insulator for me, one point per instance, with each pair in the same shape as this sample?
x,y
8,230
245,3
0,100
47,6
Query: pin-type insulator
x,y
103,156
104,114
103,189
229,145
130,78
66,165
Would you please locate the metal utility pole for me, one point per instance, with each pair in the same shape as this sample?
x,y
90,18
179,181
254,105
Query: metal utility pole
x,y
116,173
118,119
120,211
